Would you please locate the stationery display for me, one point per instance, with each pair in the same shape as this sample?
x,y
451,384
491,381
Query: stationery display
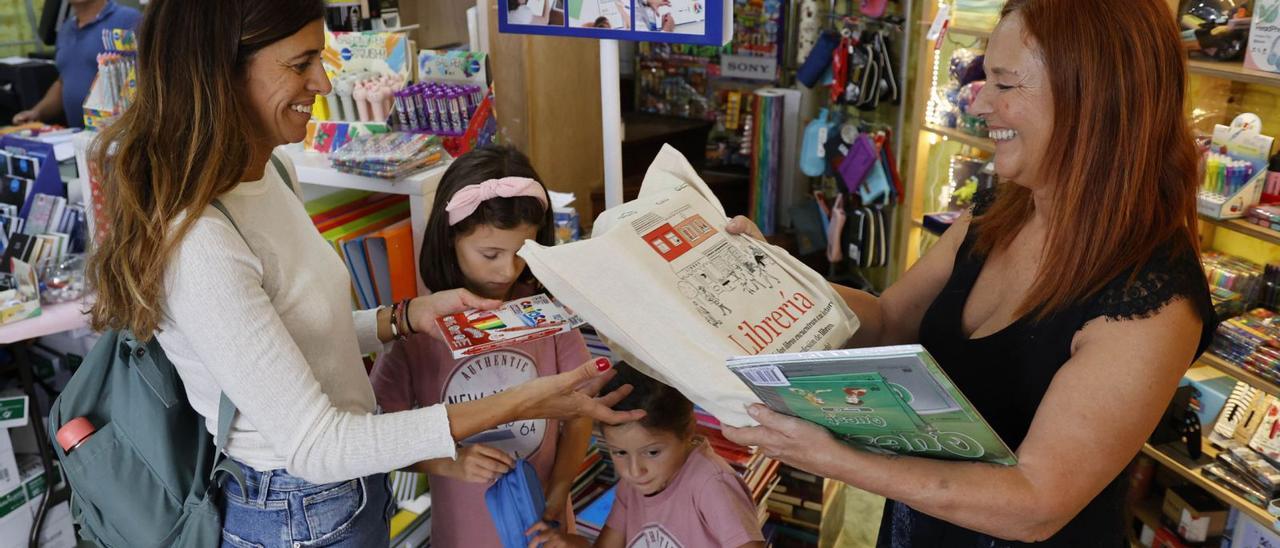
x,y
114,88
440,109
388,155
1235,168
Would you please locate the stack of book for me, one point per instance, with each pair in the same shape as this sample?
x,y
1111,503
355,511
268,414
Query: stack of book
x,y
591,518
411,525
373,235
796,503
592,493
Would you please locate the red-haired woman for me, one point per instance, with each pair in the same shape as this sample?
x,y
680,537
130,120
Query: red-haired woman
x,y
1066,308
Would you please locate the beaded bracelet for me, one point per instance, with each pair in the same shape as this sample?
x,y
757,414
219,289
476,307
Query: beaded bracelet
x,y
395,327
408,322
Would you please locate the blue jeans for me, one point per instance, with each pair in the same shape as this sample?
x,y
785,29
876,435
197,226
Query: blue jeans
x,y
274,509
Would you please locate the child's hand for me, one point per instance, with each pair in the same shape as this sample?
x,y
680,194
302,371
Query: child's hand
x,y
477,464
546,536
744,226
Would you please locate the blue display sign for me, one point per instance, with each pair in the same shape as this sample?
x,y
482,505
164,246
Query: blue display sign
x,y
702,22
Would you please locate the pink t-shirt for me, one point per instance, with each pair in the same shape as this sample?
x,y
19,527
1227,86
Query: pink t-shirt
x,y
706,504
420,371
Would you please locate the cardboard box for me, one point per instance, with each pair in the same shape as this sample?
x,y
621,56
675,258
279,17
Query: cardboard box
x,y
18,508
9,477
1264,32
1198,515
1212,387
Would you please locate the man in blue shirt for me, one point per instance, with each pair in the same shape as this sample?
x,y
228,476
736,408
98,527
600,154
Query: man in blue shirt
x,y
79,43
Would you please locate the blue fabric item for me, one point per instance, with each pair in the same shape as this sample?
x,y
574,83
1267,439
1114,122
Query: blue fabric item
x,y
516,503
811,161
275,509
818,60
877,184
77,55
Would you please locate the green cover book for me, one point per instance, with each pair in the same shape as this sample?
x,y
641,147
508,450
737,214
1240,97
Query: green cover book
x,y
891,399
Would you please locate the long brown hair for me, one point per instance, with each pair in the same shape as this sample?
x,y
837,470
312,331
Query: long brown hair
x,y
1121,158
185,141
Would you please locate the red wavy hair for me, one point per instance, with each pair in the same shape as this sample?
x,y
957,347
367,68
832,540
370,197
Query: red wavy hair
x,y
1121,157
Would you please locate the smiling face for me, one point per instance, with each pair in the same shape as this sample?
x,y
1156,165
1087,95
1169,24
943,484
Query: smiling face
x,y
1016,102
646,458
488,261
281,82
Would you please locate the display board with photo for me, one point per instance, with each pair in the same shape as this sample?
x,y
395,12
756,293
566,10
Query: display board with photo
x,y
702,22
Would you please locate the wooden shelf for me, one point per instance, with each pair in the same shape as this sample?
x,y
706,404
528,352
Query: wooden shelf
x,y
1148,512
1233,71
1177,461
1240,373
1247,228
980,143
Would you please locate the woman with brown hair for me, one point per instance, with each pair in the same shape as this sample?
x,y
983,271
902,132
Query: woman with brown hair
x,y
259,308
1067,309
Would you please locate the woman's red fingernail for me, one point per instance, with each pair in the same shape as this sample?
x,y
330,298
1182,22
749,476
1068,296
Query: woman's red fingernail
x,y
602,364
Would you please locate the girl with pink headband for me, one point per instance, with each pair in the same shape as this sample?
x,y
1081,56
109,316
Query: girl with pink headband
x,y
489,202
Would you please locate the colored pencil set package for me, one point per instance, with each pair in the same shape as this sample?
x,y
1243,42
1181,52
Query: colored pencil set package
x,y
518,321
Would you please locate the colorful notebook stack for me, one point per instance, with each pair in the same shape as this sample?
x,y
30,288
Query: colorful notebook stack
x,y
1251,341
51,230
591,517
373,235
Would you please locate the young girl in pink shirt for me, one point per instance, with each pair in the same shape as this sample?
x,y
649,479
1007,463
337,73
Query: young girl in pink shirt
x,y
489,202
674,491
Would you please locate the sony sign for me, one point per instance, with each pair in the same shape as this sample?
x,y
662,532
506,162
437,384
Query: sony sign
x,y
749,67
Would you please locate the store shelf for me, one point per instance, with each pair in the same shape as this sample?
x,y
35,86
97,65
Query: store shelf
x,y
1240,373
1177,461
970,31
314,169
1247,228
980,143
1233,71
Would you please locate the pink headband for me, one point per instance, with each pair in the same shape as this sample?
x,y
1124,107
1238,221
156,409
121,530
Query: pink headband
x,y
466,201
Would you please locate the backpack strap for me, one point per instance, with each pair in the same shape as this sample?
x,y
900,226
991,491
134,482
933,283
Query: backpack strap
x,y
227,409
282,170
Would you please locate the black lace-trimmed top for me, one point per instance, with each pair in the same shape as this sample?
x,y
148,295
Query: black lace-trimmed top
x,y
1007,373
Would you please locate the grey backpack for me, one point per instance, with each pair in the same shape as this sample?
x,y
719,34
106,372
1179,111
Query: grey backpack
x,y
147,477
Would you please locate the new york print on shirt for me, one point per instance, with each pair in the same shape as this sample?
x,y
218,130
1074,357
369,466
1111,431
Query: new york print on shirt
x,y
488,374
654,536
